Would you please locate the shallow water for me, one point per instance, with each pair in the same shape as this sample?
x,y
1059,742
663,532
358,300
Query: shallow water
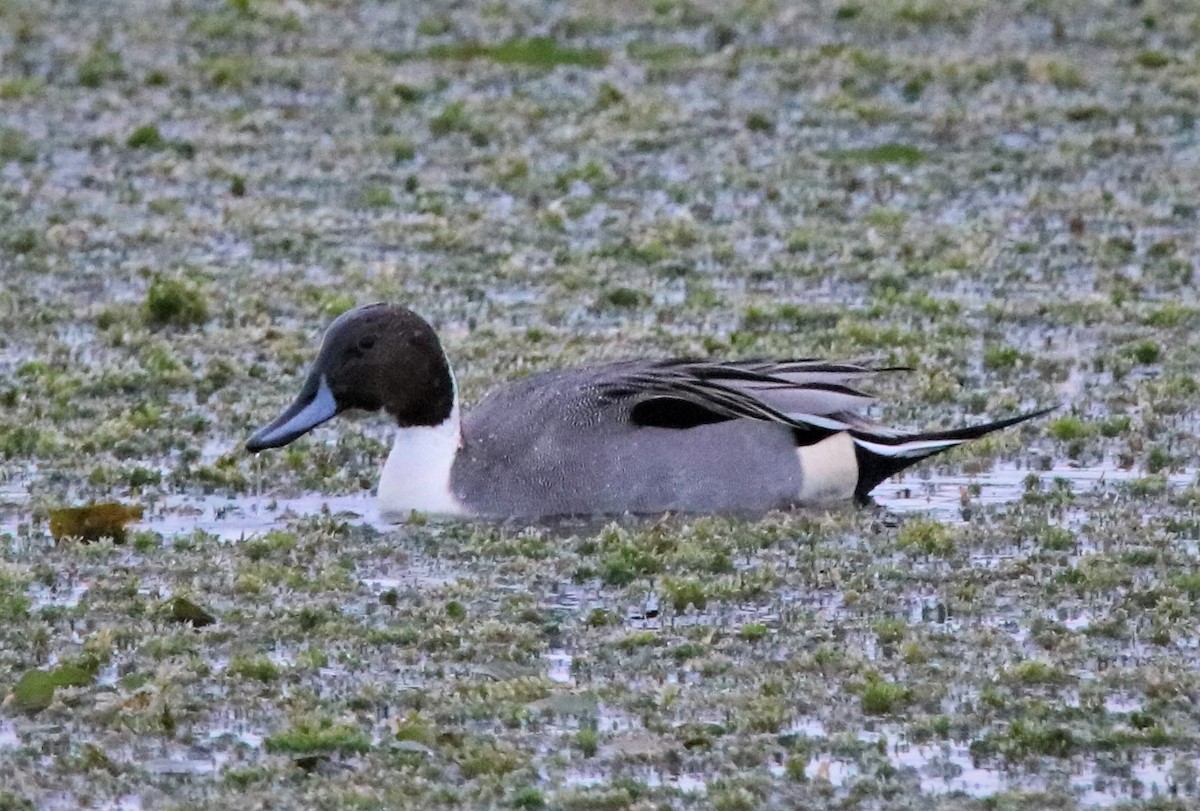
x,y
942,767
229,519
943,496
1027,235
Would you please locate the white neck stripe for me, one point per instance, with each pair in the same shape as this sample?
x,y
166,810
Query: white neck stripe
x,y
417,474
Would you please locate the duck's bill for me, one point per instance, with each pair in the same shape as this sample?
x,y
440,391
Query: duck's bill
x,y
314,405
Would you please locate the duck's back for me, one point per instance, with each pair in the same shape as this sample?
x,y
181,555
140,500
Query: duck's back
x,y
553,444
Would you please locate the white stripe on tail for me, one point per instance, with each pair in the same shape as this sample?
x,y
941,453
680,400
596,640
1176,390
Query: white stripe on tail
x,y
915,448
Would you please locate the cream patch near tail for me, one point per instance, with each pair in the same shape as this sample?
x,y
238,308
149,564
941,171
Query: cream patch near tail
x,y
829,469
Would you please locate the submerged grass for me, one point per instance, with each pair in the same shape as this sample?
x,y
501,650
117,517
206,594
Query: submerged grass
x,y
536,52
319,737
893,153
174,302
557,184
34,691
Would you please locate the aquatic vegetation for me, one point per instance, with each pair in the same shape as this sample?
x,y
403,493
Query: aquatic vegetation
x,y
102,64
435,25
34,691
317,736
1088,112
257,668
623,298
1067,429
540,52
892,153
1012,626
14,604
1035,672
1146,351
400,148
928,537
684,593
20,241
19,87
759,122
881,697
230,72
608,95
753,632
661,54
376,197
15,146
174,302
94,521
452,118
146,136
1023,740
1153,59
184,610
1001,357
890,631
245,20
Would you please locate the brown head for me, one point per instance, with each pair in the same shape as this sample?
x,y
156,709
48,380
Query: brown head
x,y
380,356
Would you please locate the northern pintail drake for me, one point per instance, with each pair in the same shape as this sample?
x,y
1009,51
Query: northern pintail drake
x,y
641,436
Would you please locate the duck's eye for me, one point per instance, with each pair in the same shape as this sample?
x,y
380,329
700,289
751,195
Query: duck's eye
x,y
366,342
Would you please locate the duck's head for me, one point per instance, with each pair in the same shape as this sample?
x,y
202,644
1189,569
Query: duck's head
x,y
379,356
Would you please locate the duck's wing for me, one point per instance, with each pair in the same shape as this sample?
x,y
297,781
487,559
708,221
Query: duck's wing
x,y
805,387
813,398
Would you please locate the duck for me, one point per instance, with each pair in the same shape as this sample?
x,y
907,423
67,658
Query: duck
x,y
632,437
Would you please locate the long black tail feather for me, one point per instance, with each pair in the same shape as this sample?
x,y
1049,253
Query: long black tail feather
x,y
882,456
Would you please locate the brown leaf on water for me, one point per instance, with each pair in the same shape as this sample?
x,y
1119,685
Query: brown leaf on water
x,y
94,521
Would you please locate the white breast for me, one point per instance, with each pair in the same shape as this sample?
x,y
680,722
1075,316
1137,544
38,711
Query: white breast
x,y
416,475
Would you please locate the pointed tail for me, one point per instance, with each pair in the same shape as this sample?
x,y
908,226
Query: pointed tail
x,y
881,456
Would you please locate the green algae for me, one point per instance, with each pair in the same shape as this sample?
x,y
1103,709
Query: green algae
x,y
452,118
376,197
881,697
538,52
1022,237
318,737
255,668
928,537
759,122
146,136
684,593
184,610
623,298
753,631
893,153
34,691
102,64
16,146
1153,60
174,302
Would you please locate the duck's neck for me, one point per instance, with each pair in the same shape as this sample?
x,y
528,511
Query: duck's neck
x,y
417,474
